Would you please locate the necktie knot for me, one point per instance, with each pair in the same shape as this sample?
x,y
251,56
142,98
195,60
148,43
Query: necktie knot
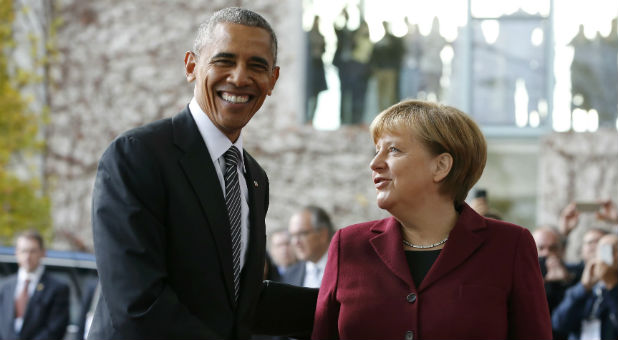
x,y
231,156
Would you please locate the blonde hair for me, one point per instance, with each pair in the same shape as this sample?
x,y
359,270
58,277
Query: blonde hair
x,y
441,129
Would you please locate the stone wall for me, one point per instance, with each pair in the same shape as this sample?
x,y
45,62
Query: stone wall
x,y
121,65
576,167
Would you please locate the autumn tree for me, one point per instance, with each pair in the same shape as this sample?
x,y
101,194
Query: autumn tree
x,y
23,205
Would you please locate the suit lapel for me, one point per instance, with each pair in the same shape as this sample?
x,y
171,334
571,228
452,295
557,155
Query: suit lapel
x,y
8,309
463,240
199,169
256,187
33,302
388,245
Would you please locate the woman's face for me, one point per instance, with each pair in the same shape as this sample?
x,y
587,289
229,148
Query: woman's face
x,y
403,171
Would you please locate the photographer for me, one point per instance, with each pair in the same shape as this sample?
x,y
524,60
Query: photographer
x,y
590,308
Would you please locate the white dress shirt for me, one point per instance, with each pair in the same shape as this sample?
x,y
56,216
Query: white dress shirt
x,y
314,272
34,278
218,144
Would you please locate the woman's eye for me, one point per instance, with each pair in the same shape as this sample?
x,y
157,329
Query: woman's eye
x,y
393,149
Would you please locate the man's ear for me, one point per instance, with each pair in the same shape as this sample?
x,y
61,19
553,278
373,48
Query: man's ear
x,y
442,166
190,63
273,79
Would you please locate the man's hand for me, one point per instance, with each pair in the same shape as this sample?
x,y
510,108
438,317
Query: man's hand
x,y
556,271
606,273
569,218
608,212
589,278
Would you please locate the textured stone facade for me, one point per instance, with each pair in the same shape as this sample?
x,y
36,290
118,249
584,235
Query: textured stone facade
x,y
122,66
577,167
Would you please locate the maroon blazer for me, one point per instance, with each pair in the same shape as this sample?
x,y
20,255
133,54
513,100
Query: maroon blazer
x,y
485,284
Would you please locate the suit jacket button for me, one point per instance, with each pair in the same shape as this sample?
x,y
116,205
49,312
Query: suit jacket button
x,y
409,335
411,297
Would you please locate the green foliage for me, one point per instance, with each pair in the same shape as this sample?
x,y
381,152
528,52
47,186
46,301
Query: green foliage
x,y
22,205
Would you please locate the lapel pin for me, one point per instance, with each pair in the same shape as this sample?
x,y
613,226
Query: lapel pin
x,y
39,287
255,183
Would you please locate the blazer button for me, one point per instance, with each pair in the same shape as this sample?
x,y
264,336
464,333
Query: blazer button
x,y
411,297
409,335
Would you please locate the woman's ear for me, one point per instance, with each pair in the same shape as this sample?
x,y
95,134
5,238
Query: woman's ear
x,y
442,166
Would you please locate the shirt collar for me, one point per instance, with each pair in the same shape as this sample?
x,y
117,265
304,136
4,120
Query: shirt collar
x,y
34,276
320,264
216,142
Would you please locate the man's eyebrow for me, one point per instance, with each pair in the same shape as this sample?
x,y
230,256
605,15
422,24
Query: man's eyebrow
x,y
224,55
260,60
227,55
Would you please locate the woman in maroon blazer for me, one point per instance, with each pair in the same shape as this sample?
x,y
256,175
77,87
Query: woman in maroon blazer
x,y
435,269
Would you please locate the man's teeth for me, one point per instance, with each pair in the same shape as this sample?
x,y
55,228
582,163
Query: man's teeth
x,y
234,99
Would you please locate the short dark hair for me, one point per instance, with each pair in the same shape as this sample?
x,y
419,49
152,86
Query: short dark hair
x,y
320,218
234,15
32,234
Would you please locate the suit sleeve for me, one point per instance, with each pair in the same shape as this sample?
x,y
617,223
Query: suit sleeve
x,y
128,218
528,310
56,326
568,316
326,321
285,309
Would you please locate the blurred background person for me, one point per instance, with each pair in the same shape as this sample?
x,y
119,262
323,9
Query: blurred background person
x,y
359,72
435,268
590,308
316,79
557,276
33,304
310,232
480,204
280,250
386,65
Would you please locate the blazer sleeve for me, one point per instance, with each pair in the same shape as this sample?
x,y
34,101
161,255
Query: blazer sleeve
x,y
325,324
128,218
56,325
528,310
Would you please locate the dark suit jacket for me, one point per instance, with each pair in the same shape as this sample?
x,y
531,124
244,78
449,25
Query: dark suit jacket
x,y
485,284
47,314
162,239
578,305
295,274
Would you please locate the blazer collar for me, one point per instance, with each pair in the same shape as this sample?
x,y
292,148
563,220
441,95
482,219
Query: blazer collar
x,y
467,235
388,245
464,239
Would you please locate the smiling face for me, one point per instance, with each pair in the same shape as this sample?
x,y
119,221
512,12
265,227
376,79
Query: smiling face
x,y
404,172
233,74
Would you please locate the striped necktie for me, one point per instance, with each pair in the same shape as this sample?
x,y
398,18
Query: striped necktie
x,y
232,203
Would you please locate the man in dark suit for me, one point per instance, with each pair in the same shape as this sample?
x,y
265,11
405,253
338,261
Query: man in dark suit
x,y
310,232
179,206
33,304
